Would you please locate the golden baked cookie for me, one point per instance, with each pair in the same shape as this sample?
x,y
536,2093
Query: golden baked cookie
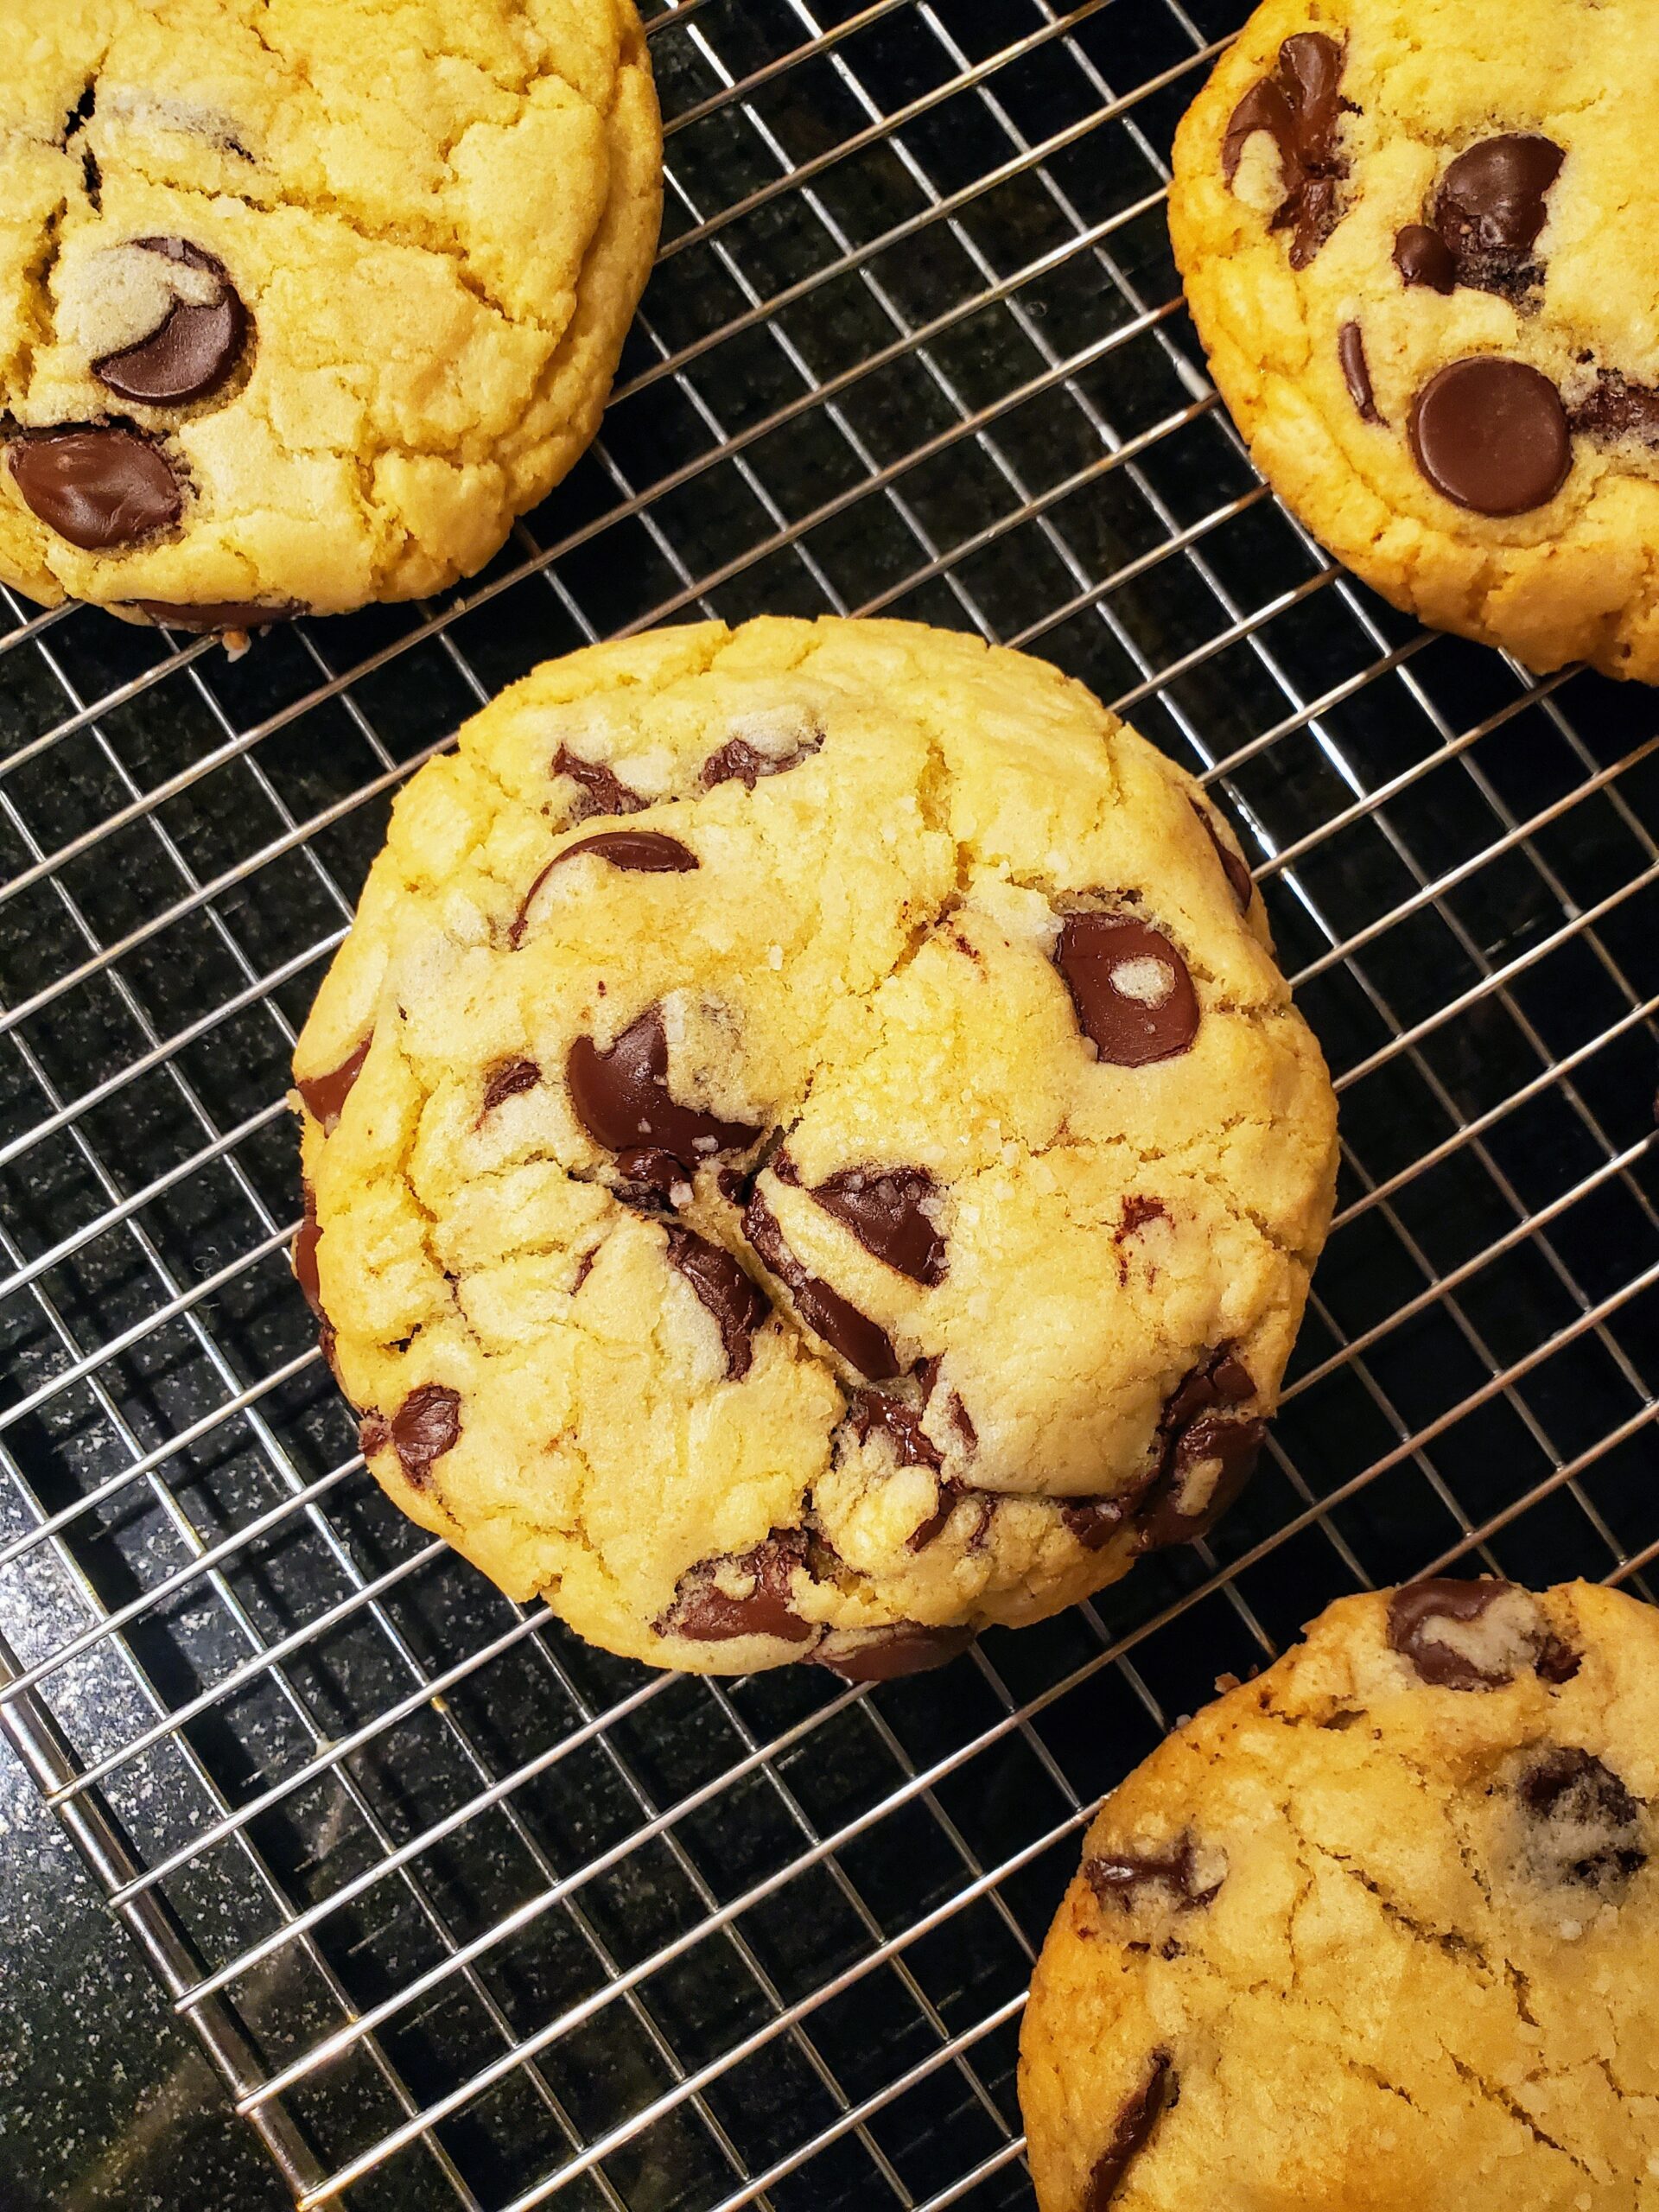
x,y
1421,243
302,301
1372,1933
809,1150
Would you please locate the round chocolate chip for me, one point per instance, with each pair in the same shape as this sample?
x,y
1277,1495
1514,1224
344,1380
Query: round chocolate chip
x,y
101,489
708,1613
1492,434
881,1654
1490,208
1133,994
1423,257
195,350
621,1098
424,1428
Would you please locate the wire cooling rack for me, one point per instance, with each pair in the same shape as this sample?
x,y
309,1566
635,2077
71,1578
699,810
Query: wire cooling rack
x,y
464,1911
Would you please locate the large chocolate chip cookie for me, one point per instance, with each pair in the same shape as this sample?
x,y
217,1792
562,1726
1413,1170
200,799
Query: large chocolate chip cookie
x,y
865,1192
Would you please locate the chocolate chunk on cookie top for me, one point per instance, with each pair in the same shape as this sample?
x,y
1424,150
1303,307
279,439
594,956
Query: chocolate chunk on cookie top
x,y
810,1152
1418,247
1377,1928
338,296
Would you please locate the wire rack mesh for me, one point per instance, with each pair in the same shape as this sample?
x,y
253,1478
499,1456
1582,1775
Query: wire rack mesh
x,y
464,1910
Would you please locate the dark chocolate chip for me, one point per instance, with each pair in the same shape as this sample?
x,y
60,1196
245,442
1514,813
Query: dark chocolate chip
x,y
734,1184
901,1424
843,1328
1490,208
906,1647
1413,1609
1131,988
195,350
305,1255
325,1096
621,1098
959,1418
424,1428
1094,1521
1423,257
887,1209
1300,106
642,852
647,1176
1131,2131
1587,1825
1492,434
508,1079
703,1611
737,1303
738,761
1356,369
1616,408
1210,1465
600,790
1234,865
217,615
1223,1379
1118,1877
100,489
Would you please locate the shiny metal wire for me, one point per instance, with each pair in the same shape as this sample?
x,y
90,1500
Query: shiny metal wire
x,y
463,1912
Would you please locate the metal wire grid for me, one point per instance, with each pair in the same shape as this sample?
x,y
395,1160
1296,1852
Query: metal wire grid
x,y
463,1911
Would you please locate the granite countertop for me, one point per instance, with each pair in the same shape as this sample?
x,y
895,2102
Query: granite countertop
x,y
106,2100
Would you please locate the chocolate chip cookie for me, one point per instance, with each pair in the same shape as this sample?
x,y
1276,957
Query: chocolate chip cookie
x,y
1420,246
301,304
809,1151
1371,1934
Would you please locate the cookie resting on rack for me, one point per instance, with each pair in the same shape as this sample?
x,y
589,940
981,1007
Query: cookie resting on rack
x,y
1421,243
808,1150
1374,1932
302,301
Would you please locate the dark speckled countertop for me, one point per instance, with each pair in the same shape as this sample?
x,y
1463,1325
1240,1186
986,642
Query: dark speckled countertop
x,y
105,2099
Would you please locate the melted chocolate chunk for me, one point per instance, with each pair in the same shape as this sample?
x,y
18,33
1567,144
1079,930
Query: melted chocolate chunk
x,y
738,761
1133,995
843,1328
1138,1211
1490,208
1234,867
99,489
901,1424
1094,1521
1423,257
647,1176
1587,1826
1209,1465
738,1304
325,1096
305,1255
195,350
621,1098
906,1647
887,1209
708,1614
1356,369
1118,1877
1131,2133
1492,434
601,791
1466,1665
1301,107
1615,408
642,852
424,1428
217,615
508,1079
1221,1380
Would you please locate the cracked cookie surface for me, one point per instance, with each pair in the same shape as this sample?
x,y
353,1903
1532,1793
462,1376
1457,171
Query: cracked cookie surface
x,y
302,301
1371,1934
1421,249
809,1151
